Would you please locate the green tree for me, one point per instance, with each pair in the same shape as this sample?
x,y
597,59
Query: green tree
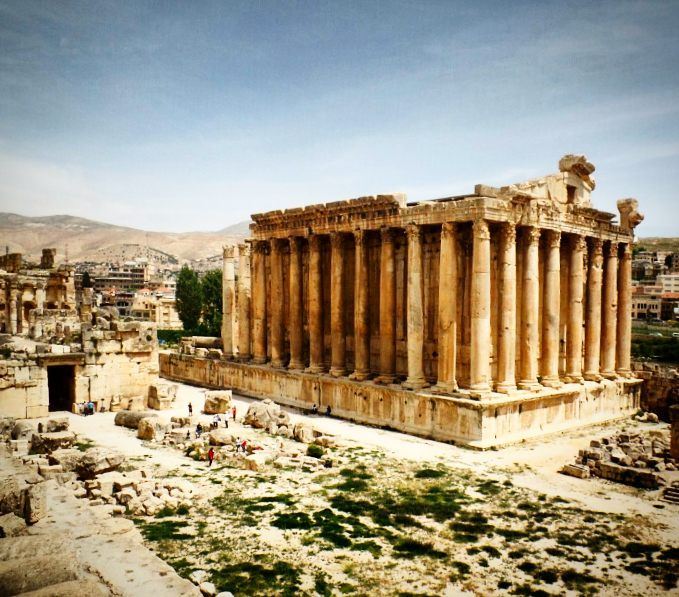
x,y
189,298
211,314
87,280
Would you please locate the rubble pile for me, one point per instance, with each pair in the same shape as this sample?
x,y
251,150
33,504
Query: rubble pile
x,y
638,459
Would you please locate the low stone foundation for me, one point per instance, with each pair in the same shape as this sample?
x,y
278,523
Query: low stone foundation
x,y
496,420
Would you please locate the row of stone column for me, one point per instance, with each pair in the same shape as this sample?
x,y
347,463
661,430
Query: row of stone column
x,y
14,308
607,331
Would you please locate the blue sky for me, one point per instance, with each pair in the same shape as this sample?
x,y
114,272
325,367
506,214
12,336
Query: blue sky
x,y
192,115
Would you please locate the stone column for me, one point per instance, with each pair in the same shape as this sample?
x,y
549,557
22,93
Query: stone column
x,y
338,339
361,324
259,301
593,319
480,309
574,330
228,294
506,363
415,310
244,300
296,306
609,311
13,311
624,340
530,310
447,332
315,306
387,309
277,290
551,307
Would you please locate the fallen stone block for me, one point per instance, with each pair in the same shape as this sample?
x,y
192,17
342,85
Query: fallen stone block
x,y
151,428
221,437
43,443
11,525
130,419
217,402
24,429
35,502
57,424
576,470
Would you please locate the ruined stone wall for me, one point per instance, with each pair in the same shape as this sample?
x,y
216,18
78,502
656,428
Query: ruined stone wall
x,y
23,387
660,389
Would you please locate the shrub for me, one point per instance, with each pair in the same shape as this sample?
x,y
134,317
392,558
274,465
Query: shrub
x,y
315,451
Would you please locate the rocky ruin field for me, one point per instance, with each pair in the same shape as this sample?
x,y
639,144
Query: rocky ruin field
x,y
383,513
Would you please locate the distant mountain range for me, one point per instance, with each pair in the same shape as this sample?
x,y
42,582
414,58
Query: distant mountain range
x,y
88,240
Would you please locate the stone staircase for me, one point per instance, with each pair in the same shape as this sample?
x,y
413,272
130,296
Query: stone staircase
x,y
671,493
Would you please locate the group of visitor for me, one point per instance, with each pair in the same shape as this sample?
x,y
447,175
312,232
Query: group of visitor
x,y
328,410
86,408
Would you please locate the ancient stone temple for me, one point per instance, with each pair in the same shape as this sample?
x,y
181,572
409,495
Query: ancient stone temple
x,y
481,318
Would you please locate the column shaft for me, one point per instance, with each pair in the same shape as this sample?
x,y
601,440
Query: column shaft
x,y
361,323
277,328
315,306
387,309
415,310
244,301
506,363
530,310
610,311
593,319
447,332
551,307
624,340
228,299
480,309
296,306
259,302
575,292
338,339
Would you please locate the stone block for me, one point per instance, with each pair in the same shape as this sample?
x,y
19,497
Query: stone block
x,y
43,443
11,525
218,402
32,573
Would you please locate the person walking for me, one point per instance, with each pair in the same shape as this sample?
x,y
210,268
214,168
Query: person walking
x,y
233,413
210,455
190,409
237,444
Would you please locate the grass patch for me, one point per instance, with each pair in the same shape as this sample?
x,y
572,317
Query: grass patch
x,y
166,530
374,548
577,581
410,548
292,520
429,473
249,578
315,451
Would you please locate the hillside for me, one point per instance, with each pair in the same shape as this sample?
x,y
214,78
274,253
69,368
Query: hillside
x,y
88,240
656,243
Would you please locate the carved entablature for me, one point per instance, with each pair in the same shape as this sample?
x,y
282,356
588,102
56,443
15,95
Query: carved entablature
x,y
558,201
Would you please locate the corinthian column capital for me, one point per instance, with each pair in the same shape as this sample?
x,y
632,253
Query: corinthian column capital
x,y
481,230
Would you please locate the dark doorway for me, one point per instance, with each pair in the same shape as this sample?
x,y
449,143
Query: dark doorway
x,y
61,384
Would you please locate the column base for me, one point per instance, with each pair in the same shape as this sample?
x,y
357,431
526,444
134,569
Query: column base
x,y
609,374
315,369
415,383
551,382
573,378
227,357
259,360
592,376
625,373
243,358
445,388
359,375
278,364
338,371
529,385
297,365
385,379
506,387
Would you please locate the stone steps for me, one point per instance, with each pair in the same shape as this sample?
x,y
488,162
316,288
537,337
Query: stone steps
x,y
671,494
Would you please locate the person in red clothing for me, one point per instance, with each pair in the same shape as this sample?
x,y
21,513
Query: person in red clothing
x,y
211,455
233,413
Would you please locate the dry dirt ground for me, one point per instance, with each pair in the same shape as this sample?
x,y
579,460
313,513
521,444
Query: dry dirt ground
x,y
400,515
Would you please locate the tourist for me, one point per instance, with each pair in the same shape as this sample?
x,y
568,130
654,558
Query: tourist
x,y
216,420
244,445
190,409
188,434
199,430
328,411
210,455
233,413
90,407
314,410
226,421
238,443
